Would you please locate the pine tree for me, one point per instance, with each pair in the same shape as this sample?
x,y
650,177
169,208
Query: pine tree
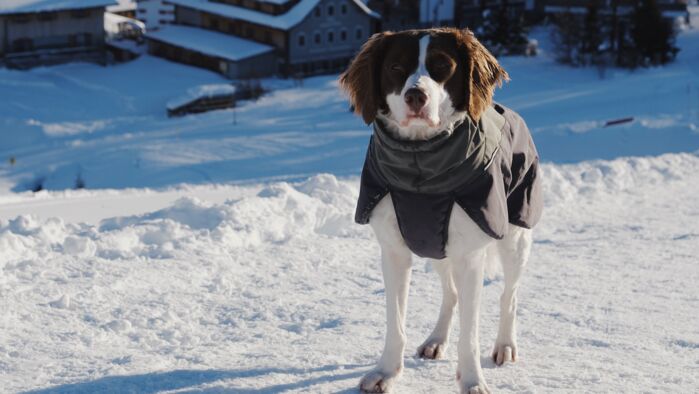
x,y
653,37
566,38
592,37
502,32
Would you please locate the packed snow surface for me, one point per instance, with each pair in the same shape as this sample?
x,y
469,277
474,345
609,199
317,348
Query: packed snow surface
x,y
217,252
109,125
278,290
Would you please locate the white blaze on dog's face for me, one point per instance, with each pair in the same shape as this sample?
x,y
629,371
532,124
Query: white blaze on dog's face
x,y
422,108
419,82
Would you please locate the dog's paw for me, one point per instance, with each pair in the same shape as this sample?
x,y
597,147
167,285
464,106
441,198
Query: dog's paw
x,y
377,381
432,349
504,353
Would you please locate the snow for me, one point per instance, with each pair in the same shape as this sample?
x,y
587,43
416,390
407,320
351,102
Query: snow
x,y
217,252
283,21
278,290
210,43
27,6
113,24
123,6
203,91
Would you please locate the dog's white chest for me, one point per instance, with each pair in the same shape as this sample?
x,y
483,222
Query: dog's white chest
x,y
463,234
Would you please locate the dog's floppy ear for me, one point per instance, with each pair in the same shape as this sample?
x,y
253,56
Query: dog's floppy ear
x,y
484,73
361,80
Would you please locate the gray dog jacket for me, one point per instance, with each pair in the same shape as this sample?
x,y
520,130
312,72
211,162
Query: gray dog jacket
x,y
489,169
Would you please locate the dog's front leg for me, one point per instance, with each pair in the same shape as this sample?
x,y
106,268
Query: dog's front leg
x,y
435,345
469,283
395,263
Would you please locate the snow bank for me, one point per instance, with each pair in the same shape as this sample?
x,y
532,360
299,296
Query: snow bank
x,y
279,212
321,205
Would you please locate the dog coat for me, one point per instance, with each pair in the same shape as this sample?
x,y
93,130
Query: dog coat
x,y
489,169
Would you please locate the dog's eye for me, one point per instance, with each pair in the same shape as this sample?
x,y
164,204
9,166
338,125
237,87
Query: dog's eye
x,y
395,67
441,65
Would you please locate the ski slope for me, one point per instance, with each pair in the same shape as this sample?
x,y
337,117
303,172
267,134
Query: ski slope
x,y
217,253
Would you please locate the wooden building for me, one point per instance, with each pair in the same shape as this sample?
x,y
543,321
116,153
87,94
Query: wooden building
x,y
307,36
234,57
40,32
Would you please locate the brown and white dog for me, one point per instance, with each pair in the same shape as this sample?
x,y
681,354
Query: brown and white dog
x,y
419,83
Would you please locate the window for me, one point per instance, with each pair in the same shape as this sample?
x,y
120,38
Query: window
x,y
343,9
47,16
79,14
22,45
21,18
249,32
358,34
302,40
318,12
80,40
331,36
331,10
316,38
343,35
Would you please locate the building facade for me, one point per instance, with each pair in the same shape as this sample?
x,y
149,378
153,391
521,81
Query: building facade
x,y
41,33
155,13
306,36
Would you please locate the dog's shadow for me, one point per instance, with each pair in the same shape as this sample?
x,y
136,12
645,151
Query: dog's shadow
x,y
192,381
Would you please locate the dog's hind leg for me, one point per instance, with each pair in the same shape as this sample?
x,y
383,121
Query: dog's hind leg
x,y
436,344
513,251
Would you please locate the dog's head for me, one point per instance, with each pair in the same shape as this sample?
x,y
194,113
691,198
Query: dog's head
x,y
421,81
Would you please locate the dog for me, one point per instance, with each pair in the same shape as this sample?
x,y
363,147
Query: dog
x,y
448,175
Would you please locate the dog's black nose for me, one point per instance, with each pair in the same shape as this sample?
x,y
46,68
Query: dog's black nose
x,y
416,99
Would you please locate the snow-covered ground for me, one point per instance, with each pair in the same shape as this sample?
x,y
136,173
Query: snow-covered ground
x,y
221,277
109,125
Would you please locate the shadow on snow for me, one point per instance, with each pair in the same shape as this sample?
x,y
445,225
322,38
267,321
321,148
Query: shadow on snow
x,y
192,379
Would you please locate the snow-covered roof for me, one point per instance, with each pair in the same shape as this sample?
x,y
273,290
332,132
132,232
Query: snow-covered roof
x,y
112,23
29,6
124,5
208,42
283,22
199,92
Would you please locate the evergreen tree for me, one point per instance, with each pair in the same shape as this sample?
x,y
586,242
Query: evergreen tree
x,y
566,38
503,32
653,37
592,37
